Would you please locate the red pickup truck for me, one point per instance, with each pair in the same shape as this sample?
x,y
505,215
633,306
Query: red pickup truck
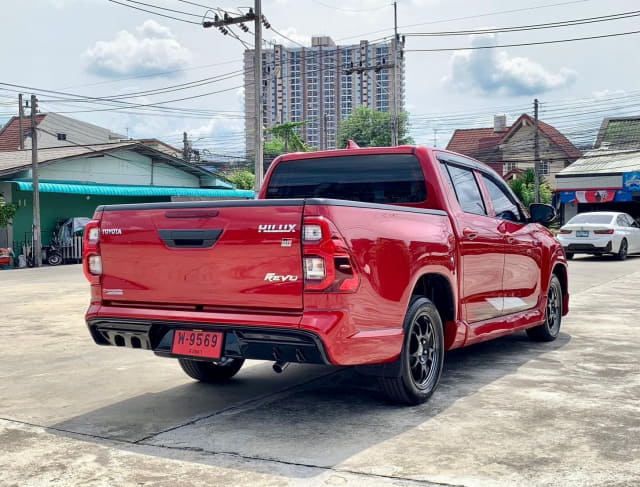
x,y
381,258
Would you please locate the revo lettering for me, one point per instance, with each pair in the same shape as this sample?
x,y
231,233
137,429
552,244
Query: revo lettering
x,y
273,277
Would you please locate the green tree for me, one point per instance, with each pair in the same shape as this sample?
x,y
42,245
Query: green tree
x,y
7,212
371,128
525,190
286,137
243,179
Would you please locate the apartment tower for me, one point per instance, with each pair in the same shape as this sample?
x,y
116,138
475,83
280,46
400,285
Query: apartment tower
x,y
322,84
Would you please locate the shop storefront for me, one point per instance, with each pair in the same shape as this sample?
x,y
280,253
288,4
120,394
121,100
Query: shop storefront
x,y
600,181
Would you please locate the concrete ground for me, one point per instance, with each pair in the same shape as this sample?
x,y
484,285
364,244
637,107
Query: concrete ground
x,y
508,412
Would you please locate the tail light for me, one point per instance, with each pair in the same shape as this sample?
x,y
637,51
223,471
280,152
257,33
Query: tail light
x,y
328,265
604,232
565,232
91,259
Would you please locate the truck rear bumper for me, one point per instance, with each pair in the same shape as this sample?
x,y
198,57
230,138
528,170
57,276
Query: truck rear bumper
x,y
279,344
321,336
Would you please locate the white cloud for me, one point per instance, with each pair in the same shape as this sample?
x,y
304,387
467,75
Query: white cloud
x,y
292,33
490,71
152,49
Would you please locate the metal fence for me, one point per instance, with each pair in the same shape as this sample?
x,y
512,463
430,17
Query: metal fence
x,y
71,253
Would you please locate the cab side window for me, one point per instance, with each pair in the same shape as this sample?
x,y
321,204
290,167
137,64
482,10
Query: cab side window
x,y
503,204
466,189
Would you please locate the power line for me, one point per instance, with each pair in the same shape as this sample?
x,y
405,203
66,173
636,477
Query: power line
x,y
524,43
488,14
343,9
519,28
164,8
155,13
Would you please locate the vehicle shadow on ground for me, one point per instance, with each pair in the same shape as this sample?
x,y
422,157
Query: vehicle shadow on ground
x,y
603,258
318,424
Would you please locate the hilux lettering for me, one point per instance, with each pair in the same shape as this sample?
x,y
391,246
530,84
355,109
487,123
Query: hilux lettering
x,y
283,228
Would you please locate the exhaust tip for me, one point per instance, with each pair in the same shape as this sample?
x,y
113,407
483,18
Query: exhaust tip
x,y
278,367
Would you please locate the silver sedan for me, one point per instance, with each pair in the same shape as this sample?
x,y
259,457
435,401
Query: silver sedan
x,y
601,232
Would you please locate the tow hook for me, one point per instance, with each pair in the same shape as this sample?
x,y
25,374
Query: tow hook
x,y
279,366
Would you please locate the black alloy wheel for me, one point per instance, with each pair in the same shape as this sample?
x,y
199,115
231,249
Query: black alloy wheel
x,y
550,329
423,351
421,358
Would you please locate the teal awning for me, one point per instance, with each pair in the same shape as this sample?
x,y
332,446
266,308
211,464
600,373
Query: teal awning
x,y
124,190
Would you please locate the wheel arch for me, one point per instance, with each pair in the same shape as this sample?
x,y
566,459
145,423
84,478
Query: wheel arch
x,y
438,289
560,271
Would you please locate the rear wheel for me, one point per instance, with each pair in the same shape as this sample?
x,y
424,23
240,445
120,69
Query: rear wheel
x,y
421,357
623,251
550,329
569,255
220,371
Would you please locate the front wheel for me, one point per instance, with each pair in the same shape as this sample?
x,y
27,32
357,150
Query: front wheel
x,y
220,371
421,358
550,329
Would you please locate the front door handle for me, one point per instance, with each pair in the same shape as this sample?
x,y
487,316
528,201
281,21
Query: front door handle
x,y
510,239
469,233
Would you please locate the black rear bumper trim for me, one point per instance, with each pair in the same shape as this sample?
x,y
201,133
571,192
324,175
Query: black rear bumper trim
x,y
248,342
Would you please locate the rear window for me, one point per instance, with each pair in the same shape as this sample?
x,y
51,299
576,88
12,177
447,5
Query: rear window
x,y
591,218
378,178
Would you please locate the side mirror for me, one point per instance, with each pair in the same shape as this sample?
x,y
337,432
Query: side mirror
x,y
541,213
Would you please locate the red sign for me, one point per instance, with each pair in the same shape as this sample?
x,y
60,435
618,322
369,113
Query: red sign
x,y
195,343
596,196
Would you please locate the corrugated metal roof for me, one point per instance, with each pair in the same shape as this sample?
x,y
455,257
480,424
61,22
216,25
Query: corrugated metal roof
x,y
600,161
14,160
123,190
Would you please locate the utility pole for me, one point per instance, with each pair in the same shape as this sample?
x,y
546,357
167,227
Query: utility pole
x,y
536,152
394,80
21,117
255,15
36,249
257,66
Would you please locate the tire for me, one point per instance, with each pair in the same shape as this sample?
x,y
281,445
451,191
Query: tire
x,y
54,259
623,251
421,358
569,255
211,371
550,329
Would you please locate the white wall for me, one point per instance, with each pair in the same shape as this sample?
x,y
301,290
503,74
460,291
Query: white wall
x,y
123,167
77,132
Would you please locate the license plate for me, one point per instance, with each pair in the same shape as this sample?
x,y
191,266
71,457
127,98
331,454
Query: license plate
x,y
582,233
194,343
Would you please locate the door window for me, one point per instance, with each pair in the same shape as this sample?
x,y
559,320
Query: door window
x,y
503,203
467,190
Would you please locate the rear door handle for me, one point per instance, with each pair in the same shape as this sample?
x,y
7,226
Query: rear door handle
x,y
469,233
190,239
510,239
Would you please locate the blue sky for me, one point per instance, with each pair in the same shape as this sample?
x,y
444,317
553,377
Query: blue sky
x,y
99,48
